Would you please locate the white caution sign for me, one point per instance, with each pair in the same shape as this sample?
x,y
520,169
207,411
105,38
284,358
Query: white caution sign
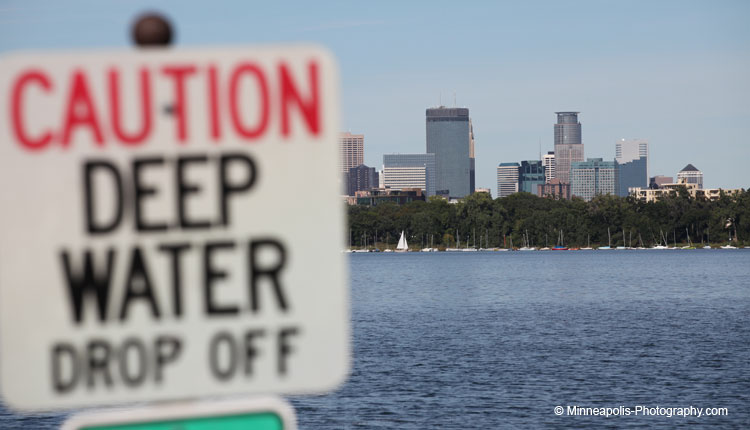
x,y
171,226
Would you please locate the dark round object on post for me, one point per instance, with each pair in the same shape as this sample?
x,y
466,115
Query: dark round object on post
x,y
152,30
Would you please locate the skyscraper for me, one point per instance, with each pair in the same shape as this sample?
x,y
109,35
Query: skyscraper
x,y
449,137
593,177
548,161
630,175
567,129
632,161
398,168
362,178
568,144
691,175
351,151
507,179
472,160
631,149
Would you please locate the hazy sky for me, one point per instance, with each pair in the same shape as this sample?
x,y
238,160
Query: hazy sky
x,y
674,72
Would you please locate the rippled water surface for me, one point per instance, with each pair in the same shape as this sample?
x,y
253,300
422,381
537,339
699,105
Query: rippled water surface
x,y
497,340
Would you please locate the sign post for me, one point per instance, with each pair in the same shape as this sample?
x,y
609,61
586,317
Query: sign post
x,y
171,226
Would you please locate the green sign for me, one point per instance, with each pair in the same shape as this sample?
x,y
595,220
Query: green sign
x,y
266,413
253,421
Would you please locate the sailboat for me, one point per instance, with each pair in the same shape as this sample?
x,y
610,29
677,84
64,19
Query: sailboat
x,y
560,246
609,239
402,245
349,249
640,242
546,245
623,240
690,244
431,248
588,243
708,239
660,246
526,246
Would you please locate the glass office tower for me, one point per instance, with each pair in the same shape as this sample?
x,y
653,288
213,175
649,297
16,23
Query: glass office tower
x,y
632,160
530,175
449,138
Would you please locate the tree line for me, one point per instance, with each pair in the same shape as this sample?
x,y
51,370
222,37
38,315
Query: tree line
x,y
521,218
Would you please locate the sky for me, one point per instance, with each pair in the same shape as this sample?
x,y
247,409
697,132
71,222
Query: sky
x,y
674,72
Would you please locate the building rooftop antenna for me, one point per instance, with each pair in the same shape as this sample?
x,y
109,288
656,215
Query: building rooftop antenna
x,y
540,148
454,99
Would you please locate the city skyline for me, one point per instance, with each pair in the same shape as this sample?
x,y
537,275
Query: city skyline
x,y
672,72
629,165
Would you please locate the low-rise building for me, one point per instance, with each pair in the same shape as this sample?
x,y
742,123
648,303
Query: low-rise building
x,y
658,181
483,190
375,197
655,194
555,189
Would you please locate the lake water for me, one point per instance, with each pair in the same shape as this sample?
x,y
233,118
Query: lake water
x,y
498,340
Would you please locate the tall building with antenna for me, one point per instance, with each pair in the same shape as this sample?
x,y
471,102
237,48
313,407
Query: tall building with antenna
x,y
568,144
450,137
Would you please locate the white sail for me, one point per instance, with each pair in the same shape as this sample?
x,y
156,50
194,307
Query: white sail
x,y
402,246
